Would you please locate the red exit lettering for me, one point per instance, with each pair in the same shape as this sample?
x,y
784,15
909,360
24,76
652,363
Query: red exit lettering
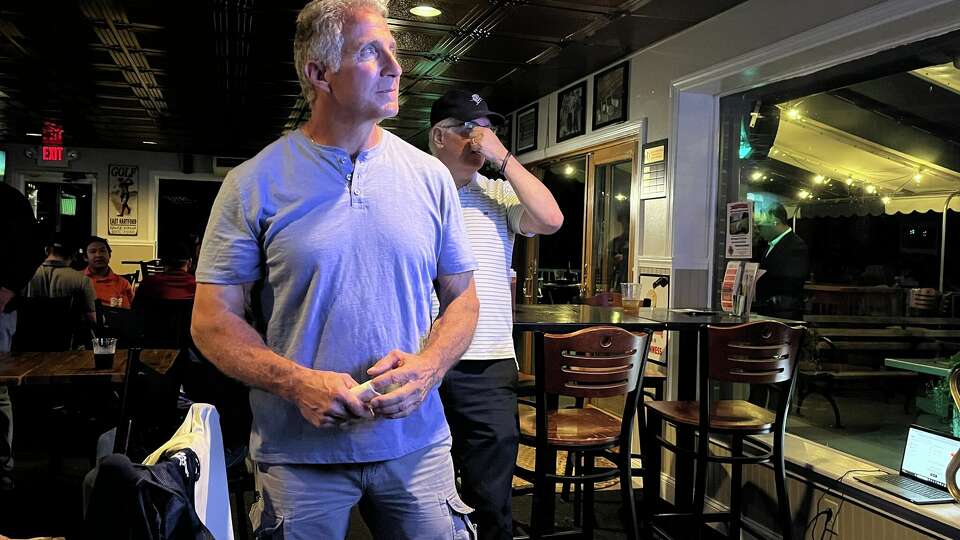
x,y
51,153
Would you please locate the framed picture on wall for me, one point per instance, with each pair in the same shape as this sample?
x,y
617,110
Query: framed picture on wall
x,y
527,129
572,111
610,95
505,132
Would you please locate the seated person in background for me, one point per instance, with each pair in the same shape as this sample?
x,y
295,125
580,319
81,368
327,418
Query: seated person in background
x,y
174,283
55,278
112,290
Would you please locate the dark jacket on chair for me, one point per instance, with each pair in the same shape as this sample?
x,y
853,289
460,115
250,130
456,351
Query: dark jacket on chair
x,y
145,502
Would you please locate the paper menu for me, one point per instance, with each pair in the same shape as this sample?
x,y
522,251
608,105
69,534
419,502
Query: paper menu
x,y
730,285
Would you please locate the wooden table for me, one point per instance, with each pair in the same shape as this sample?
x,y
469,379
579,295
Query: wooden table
x,y
27,368
938,367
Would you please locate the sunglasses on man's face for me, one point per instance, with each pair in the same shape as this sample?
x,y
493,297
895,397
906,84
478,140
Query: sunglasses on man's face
x,y
464,128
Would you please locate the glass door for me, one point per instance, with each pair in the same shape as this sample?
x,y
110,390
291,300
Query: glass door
x,y
607,252
552,268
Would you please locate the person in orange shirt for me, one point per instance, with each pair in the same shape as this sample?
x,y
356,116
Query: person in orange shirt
x,y
112,290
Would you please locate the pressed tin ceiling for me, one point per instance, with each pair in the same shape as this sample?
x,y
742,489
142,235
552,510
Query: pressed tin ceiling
x,y
217,76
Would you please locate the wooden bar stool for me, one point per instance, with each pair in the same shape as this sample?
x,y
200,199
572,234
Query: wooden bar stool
x,y
591,363
759,353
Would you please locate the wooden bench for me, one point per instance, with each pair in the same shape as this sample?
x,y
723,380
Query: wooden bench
x,y
852,349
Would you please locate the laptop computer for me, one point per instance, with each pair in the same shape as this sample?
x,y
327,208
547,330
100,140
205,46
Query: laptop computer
x,y
922,470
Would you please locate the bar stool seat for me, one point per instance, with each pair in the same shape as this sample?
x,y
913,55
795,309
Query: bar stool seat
x,y
588,426
725,415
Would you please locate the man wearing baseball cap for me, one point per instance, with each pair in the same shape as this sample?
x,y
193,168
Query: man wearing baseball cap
x,y
479,393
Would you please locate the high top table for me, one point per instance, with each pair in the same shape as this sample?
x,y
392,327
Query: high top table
x,y
563,318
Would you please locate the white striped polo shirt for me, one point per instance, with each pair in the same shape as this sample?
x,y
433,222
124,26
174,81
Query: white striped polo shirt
x,y
491,214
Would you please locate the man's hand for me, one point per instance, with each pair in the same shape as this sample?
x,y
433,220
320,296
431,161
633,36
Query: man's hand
x,y
5,296
485,142
417,376
324,398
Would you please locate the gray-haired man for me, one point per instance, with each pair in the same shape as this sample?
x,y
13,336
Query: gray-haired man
x,y
341,230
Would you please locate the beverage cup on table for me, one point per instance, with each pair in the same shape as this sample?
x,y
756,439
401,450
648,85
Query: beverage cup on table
x,y
103,351
630,295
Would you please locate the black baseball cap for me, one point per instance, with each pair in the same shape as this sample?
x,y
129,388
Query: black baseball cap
x,y
462,105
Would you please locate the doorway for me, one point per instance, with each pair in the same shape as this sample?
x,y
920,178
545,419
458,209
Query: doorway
x,y
63,207
611,187
183,210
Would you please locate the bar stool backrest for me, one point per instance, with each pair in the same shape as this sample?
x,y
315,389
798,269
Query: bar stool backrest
x,y
763,352
603,361
151,267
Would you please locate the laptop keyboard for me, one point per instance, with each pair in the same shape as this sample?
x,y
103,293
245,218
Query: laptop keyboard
x,y
911,485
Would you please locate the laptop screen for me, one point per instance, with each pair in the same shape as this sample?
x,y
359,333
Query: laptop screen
x,y
927,454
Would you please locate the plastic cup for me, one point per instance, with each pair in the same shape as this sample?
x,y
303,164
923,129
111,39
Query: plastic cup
x,y
104,349
630,295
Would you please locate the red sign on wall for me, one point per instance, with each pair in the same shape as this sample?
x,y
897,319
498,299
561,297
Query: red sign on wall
x,y
51,153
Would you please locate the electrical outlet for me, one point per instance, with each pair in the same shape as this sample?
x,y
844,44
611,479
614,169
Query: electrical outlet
x,y
832,523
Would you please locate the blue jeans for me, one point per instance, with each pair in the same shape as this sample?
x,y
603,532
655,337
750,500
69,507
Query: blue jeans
x,y
412,497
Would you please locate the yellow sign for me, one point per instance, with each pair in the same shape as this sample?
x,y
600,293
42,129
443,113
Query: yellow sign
x,y
652,155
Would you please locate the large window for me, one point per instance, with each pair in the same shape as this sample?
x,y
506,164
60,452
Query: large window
x,y
849,171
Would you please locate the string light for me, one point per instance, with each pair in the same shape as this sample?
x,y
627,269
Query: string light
x,y
793,113
871,189
917,177
803,194
885,199
818,179
757,175
849,180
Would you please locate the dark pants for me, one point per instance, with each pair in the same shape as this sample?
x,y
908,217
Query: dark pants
x,y
480,402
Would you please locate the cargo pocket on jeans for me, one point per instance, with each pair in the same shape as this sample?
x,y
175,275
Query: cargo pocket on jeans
x,y
266,526
463,528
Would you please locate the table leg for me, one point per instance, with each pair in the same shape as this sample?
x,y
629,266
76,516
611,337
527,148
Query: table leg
x,y
688,364
544,506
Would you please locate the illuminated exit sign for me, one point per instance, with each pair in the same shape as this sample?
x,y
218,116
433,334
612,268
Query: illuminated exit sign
x,y
51,153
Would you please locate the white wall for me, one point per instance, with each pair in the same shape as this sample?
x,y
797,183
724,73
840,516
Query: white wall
x,y
97,161
745,29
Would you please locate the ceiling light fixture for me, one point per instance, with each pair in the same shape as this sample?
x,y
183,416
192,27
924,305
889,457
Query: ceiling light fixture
x,y
149,142
849,180
425,10
32,134
917,177
803,194
871,189
818,179
756,175
885,199
793,113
